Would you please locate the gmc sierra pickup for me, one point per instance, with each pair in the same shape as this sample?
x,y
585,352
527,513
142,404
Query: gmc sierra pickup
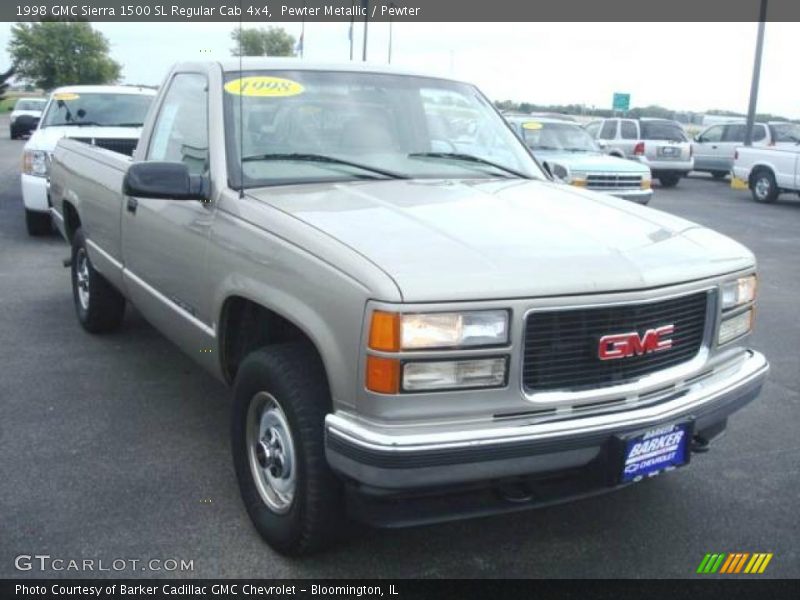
x,y
417,322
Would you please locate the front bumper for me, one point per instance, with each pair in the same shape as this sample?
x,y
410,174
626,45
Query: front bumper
x,y
378,463
34,193
667,166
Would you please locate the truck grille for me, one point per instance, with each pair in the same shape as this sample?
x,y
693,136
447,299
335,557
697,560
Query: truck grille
x,y
561,346
121,145
610,181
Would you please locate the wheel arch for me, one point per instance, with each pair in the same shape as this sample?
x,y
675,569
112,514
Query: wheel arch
x,y
758,168
246,325
72,220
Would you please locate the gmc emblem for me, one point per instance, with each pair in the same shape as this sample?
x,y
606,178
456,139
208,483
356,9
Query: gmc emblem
x,y
623,345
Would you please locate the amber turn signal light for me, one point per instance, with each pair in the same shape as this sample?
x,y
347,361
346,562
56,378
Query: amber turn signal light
x,y
383,375
384,331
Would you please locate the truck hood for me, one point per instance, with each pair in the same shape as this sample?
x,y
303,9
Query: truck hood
x,y
47,138
590,162
446,240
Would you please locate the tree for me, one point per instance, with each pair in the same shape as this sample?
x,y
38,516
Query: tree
x,y
262,42
55,53
4,82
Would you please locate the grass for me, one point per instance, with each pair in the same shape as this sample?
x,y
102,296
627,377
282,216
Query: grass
x,y
7,103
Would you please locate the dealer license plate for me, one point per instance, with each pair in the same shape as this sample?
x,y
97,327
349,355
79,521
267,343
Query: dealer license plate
x,y
654,451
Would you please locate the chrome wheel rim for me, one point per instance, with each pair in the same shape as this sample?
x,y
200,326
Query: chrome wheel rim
x,y
271,453
82,278
762,187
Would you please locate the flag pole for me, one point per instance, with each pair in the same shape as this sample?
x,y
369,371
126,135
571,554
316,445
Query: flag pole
x,y
352,24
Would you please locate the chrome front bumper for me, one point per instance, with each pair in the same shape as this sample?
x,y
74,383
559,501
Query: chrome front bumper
x,y
398,459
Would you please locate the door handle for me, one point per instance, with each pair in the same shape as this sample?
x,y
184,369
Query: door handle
x,y
714,147
131,205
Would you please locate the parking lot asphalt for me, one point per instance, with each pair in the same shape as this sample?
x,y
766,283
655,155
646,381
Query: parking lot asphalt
x,y
116,447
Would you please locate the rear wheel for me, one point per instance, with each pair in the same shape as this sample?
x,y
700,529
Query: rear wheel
x,y
37,223
719,174
669,180
99,306
763,186
281,398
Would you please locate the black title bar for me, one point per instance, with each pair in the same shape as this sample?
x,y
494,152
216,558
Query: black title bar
x,y
732,588
267,11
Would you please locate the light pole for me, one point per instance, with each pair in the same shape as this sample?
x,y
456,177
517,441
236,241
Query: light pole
x,y
751,109
366,21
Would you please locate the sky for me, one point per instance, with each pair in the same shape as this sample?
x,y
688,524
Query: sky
x,y
682,66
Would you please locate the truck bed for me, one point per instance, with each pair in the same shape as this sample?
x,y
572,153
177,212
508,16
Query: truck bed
x,y
90,178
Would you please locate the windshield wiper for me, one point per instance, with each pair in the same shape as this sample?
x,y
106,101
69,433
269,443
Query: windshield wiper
x,y
124,125
322,158
76,124
468,158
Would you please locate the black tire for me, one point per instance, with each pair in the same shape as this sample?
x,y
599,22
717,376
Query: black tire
x,y
669,180
292,376
38,223
719,174
763,186
102,308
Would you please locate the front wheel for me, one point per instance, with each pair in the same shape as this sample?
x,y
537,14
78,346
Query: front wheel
x,y
764,187
281,398
669,180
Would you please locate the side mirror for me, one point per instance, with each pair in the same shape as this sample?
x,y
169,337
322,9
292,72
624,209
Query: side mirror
x,y
603,144
164,180
698,139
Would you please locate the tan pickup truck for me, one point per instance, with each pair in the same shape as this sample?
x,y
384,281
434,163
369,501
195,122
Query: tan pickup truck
x,y
417,322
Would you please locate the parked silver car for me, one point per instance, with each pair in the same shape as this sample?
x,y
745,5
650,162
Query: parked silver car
x,y
714,147
661,144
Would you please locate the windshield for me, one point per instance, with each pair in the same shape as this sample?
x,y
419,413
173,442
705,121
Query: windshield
x,y
662,130
786,132
315,126
556,136
122,110
30,105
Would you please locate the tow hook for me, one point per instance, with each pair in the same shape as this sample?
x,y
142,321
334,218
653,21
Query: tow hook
x,y
66,263
700,444
514,492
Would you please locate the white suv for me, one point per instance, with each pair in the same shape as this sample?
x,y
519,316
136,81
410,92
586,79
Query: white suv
x,y
661,144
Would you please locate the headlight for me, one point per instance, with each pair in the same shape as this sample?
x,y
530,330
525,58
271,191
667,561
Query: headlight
x,y
454,374
738,292
735,327
646,183
417,331
34,162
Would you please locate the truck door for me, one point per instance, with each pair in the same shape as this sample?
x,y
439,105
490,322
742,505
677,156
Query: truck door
x,y
706,149
164,241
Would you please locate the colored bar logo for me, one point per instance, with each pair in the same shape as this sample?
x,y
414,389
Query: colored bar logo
x,y
734,562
